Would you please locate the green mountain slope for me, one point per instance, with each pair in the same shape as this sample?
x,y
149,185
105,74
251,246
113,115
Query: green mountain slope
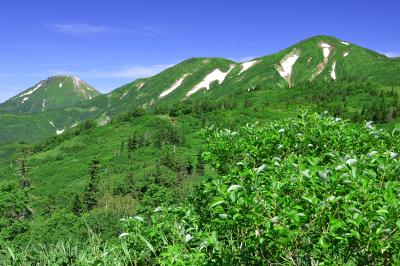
x,y
34,127
321,58
172,84
78,145
215,77
54,93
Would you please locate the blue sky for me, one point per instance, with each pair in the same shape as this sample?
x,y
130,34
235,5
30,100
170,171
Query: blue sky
x,y
110,43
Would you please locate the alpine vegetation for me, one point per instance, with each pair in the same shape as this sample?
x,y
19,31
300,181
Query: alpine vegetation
x,y
210,162
308,190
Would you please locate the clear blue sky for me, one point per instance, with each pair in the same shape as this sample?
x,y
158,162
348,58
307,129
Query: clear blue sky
x,y
109,43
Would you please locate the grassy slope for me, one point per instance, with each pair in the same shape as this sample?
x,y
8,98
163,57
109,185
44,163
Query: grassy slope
x,y
34,127
61,167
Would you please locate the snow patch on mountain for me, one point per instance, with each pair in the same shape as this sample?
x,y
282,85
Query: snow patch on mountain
x,y
152,102
84,90
247,65
345,54
58,132
333,72
216,75
43,105
326,51
173,87
76,81
141,84
124,95
286,65
345,43
60,85
32,90
25,99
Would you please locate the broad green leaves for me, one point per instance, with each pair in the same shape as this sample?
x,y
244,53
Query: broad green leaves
x,y
320,191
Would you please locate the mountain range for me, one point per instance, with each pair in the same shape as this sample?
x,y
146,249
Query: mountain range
x,y
61,102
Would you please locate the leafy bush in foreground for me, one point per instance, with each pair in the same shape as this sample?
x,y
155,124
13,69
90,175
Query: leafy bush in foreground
x,y
313,190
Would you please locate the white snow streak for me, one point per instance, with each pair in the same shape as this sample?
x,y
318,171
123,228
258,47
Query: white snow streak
x,y
43,105
216,75
123,95
32,90
173,87
346,54
24,99
345,43
51,123
141,84
333,72
60,131
286,65
326,49
77,82
247,65
60,85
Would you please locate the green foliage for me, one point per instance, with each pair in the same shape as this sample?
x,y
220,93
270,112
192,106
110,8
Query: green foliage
x,y
14,210
51,142
166,133
125,117
313,190
310,190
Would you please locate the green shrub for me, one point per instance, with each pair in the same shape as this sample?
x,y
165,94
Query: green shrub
x,y
312,190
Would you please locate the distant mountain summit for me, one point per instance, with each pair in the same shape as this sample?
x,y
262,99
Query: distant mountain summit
x,y
56,92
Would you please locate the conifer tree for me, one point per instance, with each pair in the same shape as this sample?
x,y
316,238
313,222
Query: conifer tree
x,y
91,192
49,205
23,169
76,206
200,164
